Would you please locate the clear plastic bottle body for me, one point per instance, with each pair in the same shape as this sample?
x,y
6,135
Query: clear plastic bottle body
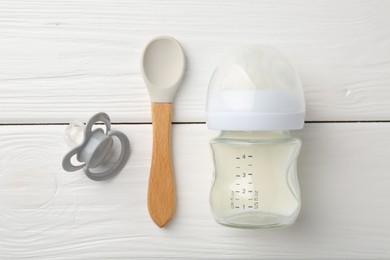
x,y
255,179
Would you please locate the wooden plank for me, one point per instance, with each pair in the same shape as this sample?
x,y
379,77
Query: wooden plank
x,y
46,213
67,59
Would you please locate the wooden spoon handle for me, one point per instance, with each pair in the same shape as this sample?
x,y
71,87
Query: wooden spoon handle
x,y
161,193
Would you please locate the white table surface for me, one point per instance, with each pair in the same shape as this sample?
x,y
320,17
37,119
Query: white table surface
x,y
66,60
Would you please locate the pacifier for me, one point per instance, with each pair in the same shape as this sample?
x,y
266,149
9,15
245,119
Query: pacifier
x,y
94,148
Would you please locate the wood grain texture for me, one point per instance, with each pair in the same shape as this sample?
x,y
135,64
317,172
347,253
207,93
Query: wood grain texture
x,y
47,213
62,60
161,191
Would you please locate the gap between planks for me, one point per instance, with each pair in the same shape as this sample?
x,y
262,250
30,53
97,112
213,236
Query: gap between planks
x,y
201,123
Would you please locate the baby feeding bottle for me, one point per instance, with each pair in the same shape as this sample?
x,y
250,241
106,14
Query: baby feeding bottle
x,y
255,97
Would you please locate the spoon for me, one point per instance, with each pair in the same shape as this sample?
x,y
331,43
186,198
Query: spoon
x,y
162,67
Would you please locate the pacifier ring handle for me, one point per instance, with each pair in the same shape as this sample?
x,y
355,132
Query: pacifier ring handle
x,y
100,117
118,165
67,161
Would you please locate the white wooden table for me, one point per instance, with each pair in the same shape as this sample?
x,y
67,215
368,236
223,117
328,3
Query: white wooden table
x,y
66,60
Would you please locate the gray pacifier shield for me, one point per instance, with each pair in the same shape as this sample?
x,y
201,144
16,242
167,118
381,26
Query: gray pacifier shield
x,y
95,148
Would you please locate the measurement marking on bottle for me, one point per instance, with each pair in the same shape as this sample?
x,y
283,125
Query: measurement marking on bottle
x,y
245,196
256,203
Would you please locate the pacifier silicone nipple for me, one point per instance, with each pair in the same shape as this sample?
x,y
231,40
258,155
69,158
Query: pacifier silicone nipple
x,y
74,134
94,147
